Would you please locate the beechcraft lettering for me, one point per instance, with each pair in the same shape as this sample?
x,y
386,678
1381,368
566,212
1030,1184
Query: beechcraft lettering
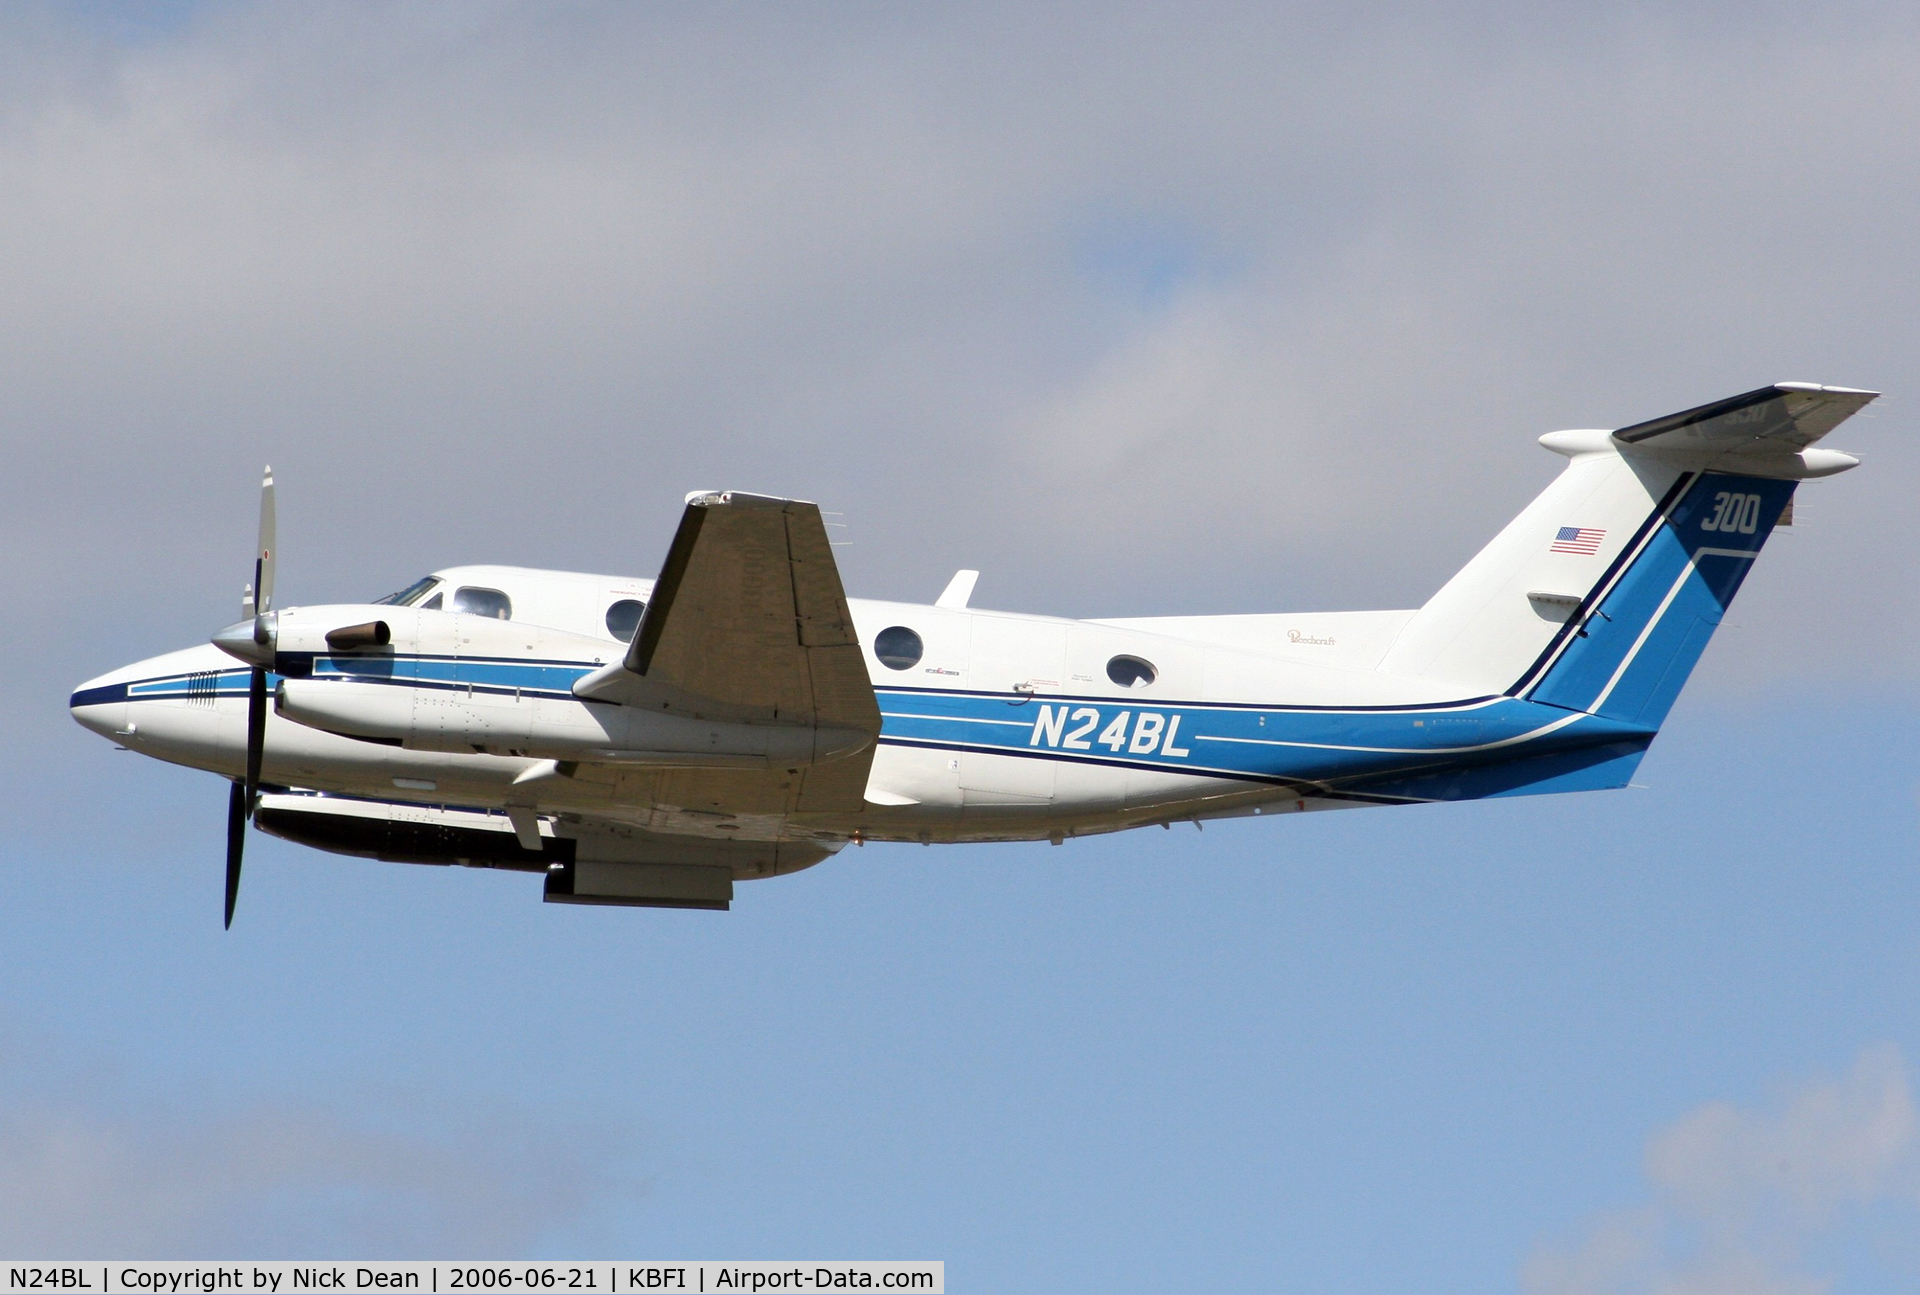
x,y
651,743
1071,728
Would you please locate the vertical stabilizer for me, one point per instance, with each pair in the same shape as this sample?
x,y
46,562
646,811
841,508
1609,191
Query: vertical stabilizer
x,y
1489,625
1601,595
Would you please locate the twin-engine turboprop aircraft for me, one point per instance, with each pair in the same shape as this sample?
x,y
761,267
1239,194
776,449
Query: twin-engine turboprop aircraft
x,y
651,742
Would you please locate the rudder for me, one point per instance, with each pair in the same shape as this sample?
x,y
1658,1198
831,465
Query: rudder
x,y
1630,647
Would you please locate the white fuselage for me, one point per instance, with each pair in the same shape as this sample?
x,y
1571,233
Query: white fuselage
x,y
920,788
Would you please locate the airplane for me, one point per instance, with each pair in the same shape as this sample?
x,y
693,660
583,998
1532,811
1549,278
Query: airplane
x,y
650,743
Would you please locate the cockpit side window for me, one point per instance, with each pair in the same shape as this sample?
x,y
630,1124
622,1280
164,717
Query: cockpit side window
x,y
412,594
475,601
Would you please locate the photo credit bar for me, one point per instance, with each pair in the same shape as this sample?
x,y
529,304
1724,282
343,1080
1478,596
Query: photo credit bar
x,y
603,1277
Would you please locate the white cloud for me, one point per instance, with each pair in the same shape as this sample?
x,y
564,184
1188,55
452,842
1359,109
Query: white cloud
x,y
496,282
1741,1197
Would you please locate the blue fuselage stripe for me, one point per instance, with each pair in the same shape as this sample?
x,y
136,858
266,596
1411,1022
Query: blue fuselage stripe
x,y
1275,744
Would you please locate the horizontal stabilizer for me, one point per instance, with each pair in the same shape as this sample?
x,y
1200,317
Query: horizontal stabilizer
x,y
1782,418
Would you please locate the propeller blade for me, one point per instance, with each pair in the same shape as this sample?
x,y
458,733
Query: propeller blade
x,y
263,553
254,644
236,842
240,800
256,731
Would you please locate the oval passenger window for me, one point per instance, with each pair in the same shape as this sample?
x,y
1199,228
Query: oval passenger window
x,y
623,618
483,602
898,647
1131,672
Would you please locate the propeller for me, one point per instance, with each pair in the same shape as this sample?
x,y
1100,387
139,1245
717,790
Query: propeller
x,y
252,640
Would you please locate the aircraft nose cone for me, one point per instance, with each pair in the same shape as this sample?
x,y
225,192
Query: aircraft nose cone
x,y
100,706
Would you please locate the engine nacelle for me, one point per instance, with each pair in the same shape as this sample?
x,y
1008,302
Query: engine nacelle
x,y
464,684
621,868
407,833
497,721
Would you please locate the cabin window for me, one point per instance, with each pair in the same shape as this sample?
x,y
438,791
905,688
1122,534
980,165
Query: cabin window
x,y
898,647
412,594
1131,671
490,603
623,618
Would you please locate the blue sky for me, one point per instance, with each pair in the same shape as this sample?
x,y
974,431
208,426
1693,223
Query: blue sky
x,y
1348,1055
1133,311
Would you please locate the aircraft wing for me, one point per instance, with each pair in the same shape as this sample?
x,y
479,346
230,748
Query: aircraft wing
x,y
748,622
1785,417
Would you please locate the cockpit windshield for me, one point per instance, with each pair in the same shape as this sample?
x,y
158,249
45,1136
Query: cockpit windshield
x,y
412,594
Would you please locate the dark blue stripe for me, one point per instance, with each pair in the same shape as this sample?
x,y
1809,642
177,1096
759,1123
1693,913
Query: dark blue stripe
x,y
102,696
1272,746
1022,698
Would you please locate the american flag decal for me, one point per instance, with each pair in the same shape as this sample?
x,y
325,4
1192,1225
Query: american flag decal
x,y
1584,540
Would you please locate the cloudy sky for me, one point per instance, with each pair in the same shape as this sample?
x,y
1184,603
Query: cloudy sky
x,y
1136,309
